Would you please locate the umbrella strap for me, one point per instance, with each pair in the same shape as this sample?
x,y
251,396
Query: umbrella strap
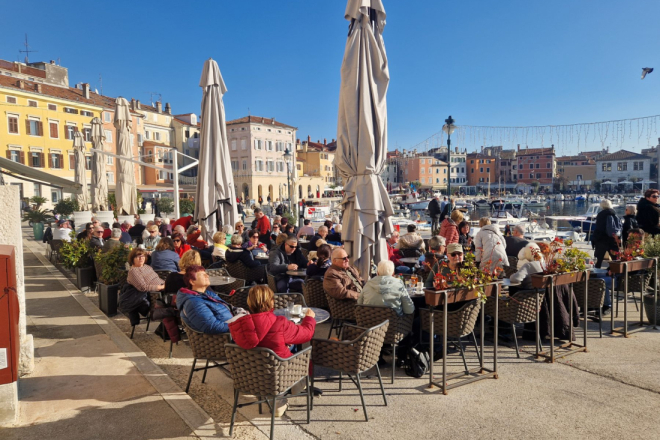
x,y
221,201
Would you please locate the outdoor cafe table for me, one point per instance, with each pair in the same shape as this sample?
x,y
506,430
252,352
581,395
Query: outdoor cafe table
x,y
409,261
320,315
297,273
262,259
625,267
221,280
443,298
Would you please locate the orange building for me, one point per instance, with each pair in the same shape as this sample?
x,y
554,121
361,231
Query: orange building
x,y
481,169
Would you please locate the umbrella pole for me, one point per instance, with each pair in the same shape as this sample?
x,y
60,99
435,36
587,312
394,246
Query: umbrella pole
x,y
175,168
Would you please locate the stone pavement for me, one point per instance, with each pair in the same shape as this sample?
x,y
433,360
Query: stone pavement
x,y
90,381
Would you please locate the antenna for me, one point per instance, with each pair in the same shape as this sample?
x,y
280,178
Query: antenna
x,y
160,97
249,112
101,82
27,50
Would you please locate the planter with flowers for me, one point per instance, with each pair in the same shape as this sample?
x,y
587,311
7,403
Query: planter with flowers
x,y
632,256
564,265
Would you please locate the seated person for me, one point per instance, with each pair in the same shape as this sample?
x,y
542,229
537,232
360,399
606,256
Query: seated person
x,y
385,290
174,281
106,230
515,242
151,242
342,281
412,240
164,257
229,231
455,256
219,247
532,262
335,237
284,258
97,237
180,247
323,232
320,266
307,230
254,245
192,237
133,300
201,309
289,229
394,255
430,261
62,231
136,231
86,234
125,238
236,252
113,241
276,231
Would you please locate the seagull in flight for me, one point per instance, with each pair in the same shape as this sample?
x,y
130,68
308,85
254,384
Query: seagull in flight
x,y
645,71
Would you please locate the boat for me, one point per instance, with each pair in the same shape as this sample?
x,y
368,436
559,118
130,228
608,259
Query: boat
x,y
504,218
559,197
535,203
481,203
585,222
508,204
581,198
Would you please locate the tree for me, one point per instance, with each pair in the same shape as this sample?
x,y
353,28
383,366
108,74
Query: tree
x,y
166,205
535,187
66,207
38,200
597,185
185,206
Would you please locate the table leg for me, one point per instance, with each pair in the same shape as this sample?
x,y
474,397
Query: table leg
x,y
552,319
586,304
538,328
431,347
655,297
444,345
497,325
625,300
481,363
613,293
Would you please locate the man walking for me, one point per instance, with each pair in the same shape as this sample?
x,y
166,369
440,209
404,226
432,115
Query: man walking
x,y
434,211
606,235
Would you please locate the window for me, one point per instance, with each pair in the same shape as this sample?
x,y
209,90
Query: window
x,y
147,134
11,99
55,161
72,162
108,135
54,129
69,130
88,162
110,160
87,134
257,144
423,178
244,165
73,111
531,175
422,171
55,195
16,156
538,175
270,166
548,165
12,122
86,113
258,165
488,170
481,170
34,127
156,135
269,145
607,166
32,103
233,144
538,165
36,160
139,139
549,175
520,176
622,166
243,144
107,117
423,161
37,189
110,176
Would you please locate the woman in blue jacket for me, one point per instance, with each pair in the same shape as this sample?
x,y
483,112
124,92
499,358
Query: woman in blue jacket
x,y
201,309
164,257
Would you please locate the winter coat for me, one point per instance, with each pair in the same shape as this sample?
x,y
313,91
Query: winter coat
x,y
393,255
150,243
434,208
185,247
165,260
318,270
269,331
514,245
233,255
411,240
490,248
339,285
648,216
278,260
110,245
312,242
194,240
203,312
449,230
387,291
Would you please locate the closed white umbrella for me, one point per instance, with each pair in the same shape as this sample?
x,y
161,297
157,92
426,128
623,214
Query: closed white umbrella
x,y
125,191
99,178
362,136
80,171
215,195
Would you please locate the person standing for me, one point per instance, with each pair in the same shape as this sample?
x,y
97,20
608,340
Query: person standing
x,y
435,209
606,235
648,212
263,226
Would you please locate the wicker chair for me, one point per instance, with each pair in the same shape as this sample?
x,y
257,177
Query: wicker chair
x,y
227,288
637,282
260,372
595,298
512,267
410,253
357,352
163,274
238,299
281,299
55,246
304,251
153,296
209,347
314,294
400,326
517,309
239,270
271,282
341,310
460,323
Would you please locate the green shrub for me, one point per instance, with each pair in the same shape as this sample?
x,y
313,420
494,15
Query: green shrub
x,y
66,207
186,206
113,263
166,205
77,253
652,246
38,200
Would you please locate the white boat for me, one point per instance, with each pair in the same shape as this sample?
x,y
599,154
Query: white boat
x,y
504,218
584,222
559,197
536,203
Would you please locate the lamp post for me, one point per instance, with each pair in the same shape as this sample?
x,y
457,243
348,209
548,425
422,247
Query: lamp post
x,y
288,159
449,128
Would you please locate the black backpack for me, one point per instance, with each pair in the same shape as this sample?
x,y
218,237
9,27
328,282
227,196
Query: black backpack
x,y
417,362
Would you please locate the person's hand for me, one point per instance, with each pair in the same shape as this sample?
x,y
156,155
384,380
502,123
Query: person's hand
x,y
310,313
161,287
292,267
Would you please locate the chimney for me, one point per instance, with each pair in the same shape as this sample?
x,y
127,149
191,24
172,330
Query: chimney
x,y
456,150
37,88
272,121
168,108
52,62
518,147
132,103
137,104
309,138
159,107
333,139
482,149
325,142
21,84
85,89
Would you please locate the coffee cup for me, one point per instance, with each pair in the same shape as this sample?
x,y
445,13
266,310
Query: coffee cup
x,y
297,309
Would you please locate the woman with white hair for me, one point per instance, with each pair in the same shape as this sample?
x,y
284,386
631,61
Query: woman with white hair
x,y
385,290
530,265
605,236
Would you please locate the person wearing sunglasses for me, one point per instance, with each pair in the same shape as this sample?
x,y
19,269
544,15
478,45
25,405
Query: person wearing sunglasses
x,y
341,280
254,245
648,212
285,258
180,246
97,237
454,261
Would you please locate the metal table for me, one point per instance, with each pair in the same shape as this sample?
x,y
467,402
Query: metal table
x,y
624,267
320,315
262,260
221,280
451,296
297,273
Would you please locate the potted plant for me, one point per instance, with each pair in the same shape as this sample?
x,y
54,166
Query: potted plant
x,y
111,268
468,282
66,207
36,218
166,205
186,206
78,255
632,256
651,251
564,265
38,200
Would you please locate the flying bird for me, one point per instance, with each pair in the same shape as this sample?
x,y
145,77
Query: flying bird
x,y
645,71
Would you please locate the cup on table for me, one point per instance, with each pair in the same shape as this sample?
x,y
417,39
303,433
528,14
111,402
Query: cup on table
x,y
420,286
297,310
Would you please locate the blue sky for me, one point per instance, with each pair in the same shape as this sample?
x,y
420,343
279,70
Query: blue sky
x,y
506,63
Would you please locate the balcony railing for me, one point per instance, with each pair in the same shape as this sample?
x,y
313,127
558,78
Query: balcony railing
x,y
185,180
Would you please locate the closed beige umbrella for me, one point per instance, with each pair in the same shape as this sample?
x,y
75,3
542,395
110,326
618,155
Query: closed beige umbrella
x,y
99,178
362,136
80,171
125,191
215,196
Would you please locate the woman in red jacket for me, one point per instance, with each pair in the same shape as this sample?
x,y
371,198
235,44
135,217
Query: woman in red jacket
x,y
180,246
449,227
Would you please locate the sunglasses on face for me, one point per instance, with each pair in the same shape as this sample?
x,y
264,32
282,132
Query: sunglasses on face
x,y
255,236
456,254
176,241
141,256
343,258
292,246
655,196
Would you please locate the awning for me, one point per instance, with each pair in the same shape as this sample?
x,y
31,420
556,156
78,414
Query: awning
x,y
18,169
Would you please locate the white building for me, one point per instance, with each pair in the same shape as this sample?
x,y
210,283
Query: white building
x,y
623,165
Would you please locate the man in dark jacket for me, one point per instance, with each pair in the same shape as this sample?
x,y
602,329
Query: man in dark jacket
x,y
648,212
434,211
516,241
606,235
284,258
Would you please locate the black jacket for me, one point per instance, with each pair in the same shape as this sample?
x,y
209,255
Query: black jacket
x,y
233,255
434,208
514,245
312,242
278,261
629,222
648,216
600,233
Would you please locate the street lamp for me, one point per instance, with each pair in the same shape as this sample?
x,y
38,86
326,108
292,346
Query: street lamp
x,y
288,159
449,128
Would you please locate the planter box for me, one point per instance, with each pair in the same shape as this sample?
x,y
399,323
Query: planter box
x,y
38,231
85,277
648,308
80,218
542,281
617,266
108,298
435,297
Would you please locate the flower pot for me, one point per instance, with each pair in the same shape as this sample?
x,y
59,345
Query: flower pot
x,y
129,218
648,308
541,281
108,297
38,230
85,277
617,266
80,218
105,217
435,297
147,218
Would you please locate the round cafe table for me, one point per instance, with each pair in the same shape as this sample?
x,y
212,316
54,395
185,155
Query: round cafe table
x,y
297,273
221,280
409,261
320,315
262,259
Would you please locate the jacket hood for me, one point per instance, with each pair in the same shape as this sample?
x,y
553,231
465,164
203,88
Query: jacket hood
x,y
249,330
492,228
184,294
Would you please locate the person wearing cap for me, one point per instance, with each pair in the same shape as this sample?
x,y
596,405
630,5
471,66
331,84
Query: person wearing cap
x,y
152,240
455,258
62,231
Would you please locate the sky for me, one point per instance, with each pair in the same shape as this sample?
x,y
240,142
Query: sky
x,y
487,63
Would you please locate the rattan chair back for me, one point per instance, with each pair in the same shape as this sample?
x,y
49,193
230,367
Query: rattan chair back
x,y
55,246
400,325
410,253
314,294
595,295
163,274
460,322
512,267
281,299
343,309
207,346
261,372
271,282
518,308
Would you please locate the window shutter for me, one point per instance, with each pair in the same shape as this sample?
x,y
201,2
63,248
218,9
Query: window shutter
x,y
61,156
41,160
50,161
75,129
21,157
72,161
40,128
27,126
53,130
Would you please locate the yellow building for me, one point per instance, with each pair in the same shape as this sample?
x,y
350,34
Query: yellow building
x,y
40,120
317,159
